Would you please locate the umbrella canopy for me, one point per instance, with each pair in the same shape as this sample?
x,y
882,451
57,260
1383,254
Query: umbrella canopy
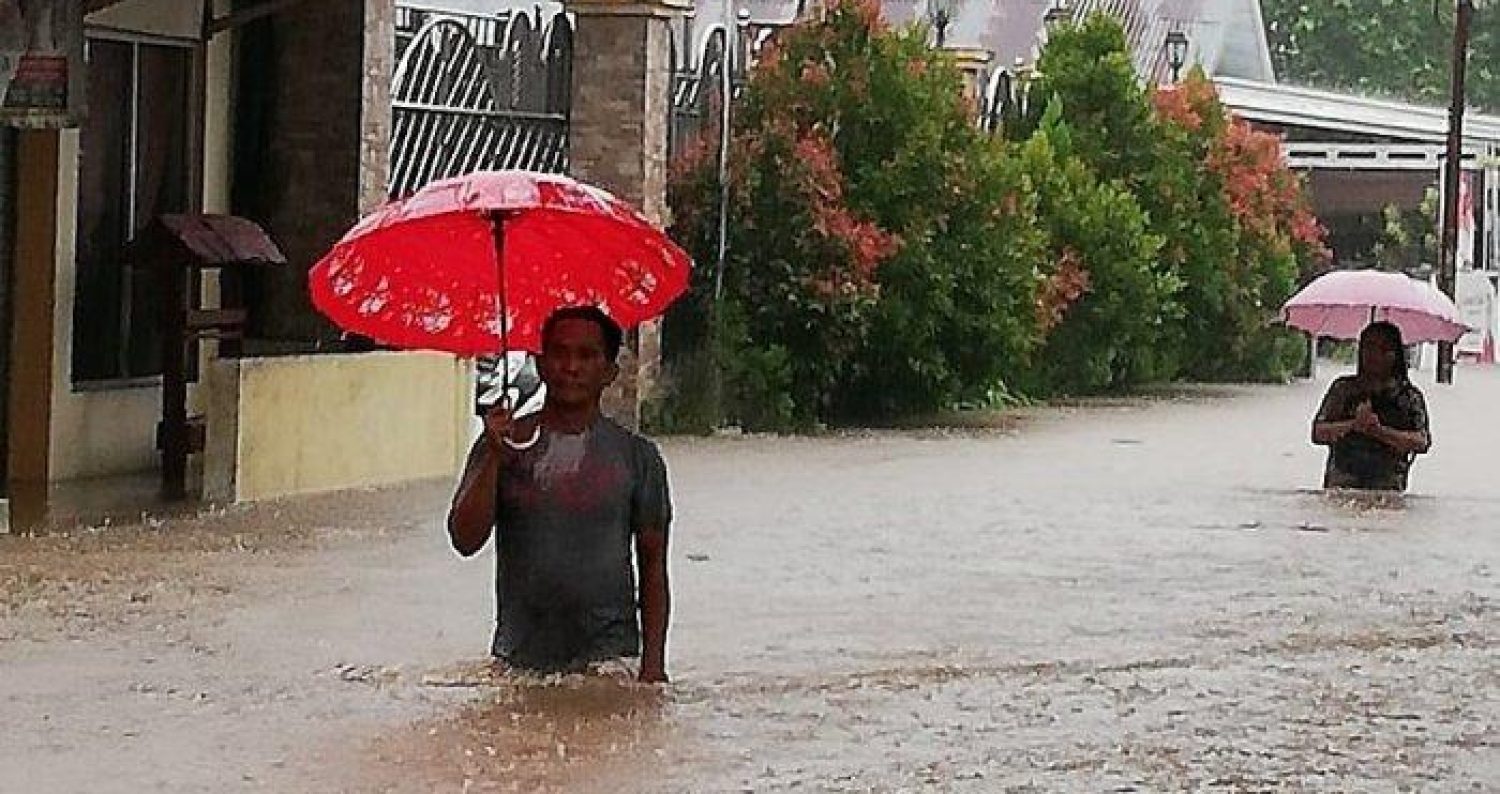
x,y
1340,304
438,270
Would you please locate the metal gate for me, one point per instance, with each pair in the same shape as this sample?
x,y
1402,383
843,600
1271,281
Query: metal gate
x,y
477,93
696,87
698,73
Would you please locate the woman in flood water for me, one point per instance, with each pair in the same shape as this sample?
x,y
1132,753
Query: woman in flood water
x,y
1374,421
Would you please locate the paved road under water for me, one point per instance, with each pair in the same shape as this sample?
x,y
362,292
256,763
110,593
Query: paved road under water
x,y
1132,596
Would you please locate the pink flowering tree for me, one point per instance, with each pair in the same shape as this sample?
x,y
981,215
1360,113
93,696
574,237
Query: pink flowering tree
x,y
1272,240
1235,230
883,253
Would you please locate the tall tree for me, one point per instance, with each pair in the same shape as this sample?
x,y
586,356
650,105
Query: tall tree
x,y
1395,48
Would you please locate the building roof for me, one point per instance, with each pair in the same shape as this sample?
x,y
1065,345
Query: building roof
x,y
1296,106
1227,37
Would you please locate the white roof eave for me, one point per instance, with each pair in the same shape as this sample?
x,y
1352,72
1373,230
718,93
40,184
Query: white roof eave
x,y
1307,107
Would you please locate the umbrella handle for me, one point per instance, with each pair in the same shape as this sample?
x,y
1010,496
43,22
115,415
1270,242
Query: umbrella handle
x,y
502,309
522,446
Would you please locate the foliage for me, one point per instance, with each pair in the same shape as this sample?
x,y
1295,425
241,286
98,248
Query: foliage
x,y
1234,227
1106,298
1408,240
1397,48
1106,110
887,257
882,250
1272,242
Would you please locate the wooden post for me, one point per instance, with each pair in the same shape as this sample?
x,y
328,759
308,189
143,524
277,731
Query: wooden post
x,y
172,433
33,298
1452,175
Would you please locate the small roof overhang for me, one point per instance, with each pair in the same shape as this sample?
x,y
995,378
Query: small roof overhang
x,y
218,24
207,241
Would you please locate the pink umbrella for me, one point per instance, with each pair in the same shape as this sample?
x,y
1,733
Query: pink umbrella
x,y
1340,304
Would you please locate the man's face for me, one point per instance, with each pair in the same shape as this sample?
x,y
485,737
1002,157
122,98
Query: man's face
x,y
573,363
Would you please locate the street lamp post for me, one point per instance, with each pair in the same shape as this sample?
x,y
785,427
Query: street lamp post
x,y
940,14
726,99
1177,51
1453,173
1058,15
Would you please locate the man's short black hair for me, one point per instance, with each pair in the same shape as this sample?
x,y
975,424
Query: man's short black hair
x,y
613,336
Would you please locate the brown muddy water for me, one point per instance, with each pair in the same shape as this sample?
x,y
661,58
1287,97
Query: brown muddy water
x,y
1132,596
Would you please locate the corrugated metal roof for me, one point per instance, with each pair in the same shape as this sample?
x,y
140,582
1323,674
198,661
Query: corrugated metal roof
x,y
1225,37
1326,110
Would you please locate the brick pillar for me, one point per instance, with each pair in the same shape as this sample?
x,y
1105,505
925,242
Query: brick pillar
x,y
379,64
618,140
974,63
313,143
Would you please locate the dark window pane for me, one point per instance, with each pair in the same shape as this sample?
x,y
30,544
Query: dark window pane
x,y
160,187
103,212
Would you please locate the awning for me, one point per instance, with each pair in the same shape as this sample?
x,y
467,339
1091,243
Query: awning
x,y
218,24
1325,110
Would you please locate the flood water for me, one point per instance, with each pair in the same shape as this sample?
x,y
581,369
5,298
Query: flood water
x,y
1128,596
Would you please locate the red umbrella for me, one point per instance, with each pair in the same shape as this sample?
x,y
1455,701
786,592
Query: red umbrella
x,y
438,270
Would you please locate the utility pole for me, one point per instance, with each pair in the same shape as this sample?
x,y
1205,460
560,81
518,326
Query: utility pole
x,y
732,56
726,98
1453,174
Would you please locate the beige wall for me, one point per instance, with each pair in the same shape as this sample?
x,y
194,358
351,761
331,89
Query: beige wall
x,y
306,424
111,430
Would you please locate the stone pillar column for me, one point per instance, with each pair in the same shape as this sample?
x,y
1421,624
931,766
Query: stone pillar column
x,y
974,62
622,84
379,64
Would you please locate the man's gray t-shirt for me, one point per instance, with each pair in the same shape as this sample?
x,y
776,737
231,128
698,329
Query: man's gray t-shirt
x,y
568,511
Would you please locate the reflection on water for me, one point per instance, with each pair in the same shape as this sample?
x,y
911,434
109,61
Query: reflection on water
x,y
1319,509
526,733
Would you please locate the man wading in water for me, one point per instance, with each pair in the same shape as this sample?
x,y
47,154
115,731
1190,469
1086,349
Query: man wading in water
x,y
569,494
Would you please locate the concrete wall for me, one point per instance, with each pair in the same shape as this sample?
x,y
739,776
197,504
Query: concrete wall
x,y
307,424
